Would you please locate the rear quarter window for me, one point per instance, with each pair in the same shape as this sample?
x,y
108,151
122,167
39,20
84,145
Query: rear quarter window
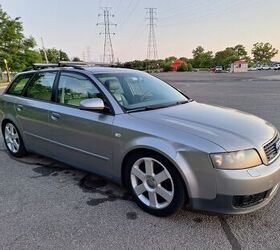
x,y
18,84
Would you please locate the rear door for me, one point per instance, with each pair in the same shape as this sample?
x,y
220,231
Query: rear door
x,y
80,138
32,111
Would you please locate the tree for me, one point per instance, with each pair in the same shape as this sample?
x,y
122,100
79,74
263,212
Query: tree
x,y
229,55
225,57
240,51
202,59
184,59
63,56
55,55
14,46
263,52
170,59
198,51
76,59
190,67
166,67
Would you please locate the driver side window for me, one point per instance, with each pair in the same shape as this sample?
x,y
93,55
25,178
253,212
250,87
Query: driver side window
x,y
73,88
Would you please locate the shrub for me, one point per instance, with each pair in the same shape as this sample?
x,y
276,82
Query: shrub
x,y
166,67
190,67
183,67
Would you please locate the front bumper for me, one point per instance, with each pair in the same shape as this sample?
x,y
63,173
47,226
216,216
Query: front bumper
x,y
242,191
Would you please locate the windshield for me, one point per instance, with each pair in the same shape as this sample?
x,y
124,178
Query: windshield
x,y
136,90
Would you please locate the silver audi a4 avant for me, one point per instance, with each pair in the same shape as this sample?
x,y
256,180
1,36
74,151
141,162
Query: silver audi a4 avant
x,y
137,130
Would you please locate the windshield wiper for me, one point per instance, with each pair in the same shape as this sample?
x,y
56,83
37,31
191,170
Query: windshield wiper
x,y
183,102
147,108
159,106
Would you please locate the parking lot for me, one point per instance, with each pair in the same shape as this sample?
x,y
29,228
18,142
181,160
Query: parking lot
x,y
47,205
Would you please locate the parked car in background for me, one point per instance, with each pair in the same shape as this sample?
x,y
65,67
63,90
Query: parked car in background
x,y
139,131
276,67
218,69
265,67
252,68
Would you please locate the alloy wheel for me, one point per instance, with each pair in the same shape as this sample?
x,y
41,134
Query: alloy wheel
x,y
12,138
152,183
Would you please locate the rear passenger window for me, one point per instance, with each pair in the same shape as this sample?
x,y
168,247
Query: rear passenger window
x,y
41,86
18,84
73,88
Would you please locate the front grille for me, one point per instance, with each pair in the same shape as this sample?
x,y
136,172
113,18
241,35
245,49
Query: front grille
x,y
270,149
242,201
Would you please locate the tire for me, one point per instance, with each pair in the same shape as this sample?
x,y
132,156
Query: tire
x,y
13,139
154,183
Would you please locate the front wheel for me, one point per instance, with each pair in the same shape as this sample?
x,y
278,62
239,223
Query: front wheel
x,y
13,140
155,184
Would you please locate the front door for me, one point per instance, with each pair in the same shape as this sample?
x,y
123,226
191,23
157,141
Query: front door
x,y
80,138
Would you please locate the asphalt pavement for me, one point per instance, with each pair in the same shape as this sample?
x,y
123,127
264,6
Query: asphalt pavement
x,y
47,205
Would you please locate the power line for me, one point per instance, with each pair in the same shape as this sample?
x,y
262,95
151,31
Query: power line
x,y
152,45
129,13
126,11
213,11
108,52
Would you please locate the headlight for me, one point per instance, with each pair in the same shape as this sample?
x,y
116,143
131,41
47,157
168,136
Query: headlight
x,y
236,160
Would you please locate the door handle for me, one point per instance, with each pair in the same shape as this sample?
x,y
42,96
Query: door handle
x,y
55,116
19,108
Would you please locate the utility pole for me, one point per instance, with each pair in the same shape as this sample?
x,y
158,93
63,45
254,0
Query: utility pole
x,y
44,50
108,52
152,44
8,70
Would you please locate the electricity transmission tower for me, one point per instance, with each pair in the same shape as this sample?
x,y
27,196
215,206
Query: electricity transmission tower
x,y
88,52
152,44
108,52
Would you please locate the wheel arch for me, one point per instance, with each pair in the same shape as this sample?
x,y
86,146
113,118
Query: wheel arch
x,y
4,122
155,151
10,118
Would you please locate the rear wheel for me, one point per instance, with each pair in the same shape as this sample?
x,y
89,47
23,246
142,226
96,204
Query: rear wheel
x,y
155,184
13,140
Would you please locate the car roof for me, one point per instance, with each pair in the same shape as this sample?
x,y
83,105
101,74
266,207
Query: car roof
x,y
100,70
94,70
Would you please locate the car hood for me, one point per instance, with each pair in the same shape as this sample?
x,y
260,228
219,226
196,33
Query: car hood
x,y
230,128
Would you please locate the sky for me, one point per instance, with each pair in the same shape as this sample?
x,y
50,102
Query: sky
x,y
182,25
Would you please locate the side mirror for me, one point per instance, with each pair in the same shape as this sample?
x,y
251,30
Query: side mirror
x,y
93,104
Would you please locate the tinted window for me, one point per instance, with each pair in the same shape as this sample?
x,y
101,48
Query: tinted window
x,y
41,86
19,84
73,88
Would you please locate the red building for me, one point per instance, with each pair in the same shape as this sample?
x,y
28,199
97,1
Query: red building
x,y
176,64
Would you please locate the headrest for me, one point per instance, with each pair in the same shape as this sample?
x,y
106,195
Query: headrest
x,y
112,84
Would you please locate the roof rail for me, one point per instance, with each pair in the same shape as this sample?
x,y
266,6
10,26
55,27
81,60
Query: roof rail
x,y
75,65
72,63
38,66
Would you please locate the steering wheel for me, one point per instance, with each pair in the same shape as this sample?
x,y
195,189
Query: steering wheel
x,y
146,95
